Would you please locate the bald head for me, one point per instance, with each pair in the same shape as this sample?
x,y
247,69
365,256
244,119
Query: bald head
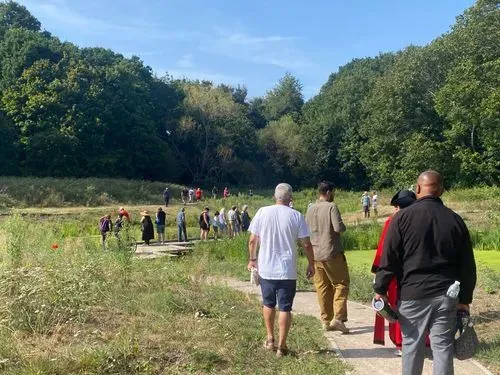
x,y
429,183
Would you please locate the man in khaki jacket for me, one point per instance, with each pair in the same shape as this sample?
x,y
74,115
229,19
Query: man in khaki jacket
x,y
332,275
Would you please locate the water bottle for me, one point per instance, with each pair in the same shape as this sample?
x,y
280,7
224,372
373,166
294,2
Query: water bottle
x,y
453,290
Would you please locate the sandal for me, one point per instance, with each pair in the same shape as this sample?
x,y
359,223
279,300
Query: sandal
x,y
282,352
269,344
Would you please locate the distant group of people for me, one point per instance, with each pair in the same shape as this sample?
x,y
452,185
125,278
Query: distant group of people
x,y
368,201
230,224
223,224
191,195
424,251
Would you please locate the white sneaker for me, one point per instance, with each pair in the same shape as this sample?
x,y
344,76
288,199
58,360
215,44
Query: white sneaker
x,y
398,353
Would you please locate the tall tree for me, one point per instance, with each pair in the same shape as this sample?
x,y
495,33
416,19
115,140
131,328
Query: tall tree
x,y
470,98
284,99
214,137
14,15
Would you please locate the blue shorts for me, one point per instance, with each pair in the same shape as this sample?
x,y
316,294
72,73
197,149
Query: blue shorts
x,y
282,291
160,228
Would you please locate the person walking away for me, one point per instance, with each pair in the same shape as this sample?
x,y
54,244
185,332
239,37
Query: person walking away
x,y
250,193
198,194
365,202
191,195
204,224
181,225
161,217
375,203
428,249
147,227
124,213
237,227
105,227
215,225
245,219
232,220
400,200
117,227
222,221
184,195
272,249
225,193
166,196
331,278
214,192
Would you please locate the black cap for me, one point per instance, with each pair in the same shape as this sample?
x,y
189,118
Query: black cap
x,y
403,198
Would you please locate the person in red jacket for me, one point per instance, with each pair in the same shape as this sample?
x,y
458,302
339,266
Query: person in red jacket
x,y
402,199
198,194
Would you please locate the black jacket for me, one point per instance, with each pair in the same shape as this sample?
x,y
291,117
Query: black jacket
x,y
427,247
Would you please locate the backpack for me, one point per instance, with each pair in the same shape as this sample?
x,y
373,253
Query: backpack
x,y
104,225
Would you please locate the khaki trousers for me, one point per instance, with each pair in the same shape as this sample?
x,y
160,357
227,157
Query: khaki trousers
x,y
332,287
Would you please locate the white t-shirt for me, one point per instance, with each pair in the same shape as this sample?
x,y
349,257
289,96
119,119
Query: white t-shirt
x,y
374,201
278,228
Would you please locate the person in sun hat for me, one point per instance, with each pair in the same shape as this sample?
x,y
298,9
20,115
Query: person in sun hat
x,y
147,228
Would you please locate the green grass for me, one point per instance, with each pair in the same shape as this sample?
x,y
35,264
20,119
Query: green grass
x,y
490,259
79,310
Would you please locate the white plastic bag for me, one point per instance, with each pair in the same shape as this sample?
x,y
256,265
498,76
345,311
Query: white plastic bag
x,y
254,277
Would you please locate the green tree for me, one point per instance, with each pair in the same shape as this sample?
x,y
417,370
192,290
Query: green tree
x,y
214,134
287,156
14,15
470,98
333,119
284,99
8,148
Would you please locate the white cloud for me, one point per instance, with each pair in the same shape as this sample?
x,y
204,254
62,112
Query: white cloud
x,y
186,61
202,76
277,50
59,12
243,39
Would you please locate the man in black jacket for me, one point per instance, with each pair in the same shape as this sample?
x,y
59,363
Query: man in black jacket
x,y
428,248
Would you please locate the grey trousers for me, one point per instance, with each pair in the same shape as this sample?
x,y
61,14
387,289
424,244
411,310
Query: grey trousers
x,y
434,315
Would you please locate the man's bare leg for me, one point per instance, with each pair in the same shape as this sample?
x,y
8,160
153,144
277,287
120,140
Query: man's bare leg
x,y
269,316
285,321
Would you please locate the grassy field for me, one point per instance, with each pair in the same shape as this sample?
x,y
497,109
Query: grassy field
x,y
77,310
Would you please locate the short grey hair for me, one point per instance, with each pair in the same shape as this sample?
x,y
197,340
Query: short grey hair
x,y
283,192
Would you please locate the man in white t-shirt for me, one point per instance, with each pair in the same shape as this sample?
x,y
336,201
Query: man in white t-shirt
x,y
275,231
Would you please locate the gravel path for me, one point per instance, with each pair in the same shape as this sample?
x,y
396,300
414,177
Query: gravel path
x,y
357,348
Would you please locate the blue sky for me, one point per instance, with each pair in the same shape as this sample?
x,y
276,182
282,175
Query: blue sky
x,y
248,42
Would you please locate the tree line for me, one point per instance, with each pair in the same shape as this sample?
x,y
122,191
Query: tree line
x,y
377,121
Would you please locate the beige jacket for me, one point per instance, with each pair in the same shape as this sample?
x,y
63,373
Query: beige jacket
x,y
325,224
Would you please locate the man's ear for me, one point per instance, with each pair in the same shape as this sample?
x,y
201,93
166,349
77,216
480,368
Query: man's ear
x,y
417,190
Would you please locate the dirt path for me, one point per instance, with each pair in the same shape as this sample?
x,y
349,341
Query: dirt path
x,y
356,348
